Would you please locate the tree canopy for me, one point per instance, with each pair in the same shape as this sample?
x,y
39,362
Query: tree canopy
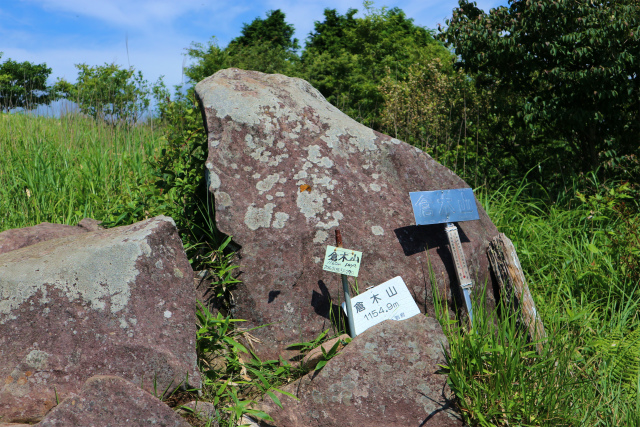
x,y
265,45
109,92
570,68
346,57
23,84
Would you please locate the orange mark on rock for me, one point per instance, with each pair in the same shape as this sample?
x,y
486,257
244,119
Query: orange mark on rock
x,y
28,374
22,381
305,187
8,380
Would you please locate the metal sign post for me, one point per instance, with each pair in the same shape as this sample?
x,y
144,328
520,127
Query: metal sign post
x,y
346,262
449,206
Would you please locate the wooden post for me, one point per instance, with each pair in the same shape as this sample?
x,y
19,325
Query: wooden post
x,y
513,286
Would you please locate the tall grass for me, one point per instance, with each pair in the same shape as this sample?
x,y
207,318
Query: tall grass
x,y
588,372
64,169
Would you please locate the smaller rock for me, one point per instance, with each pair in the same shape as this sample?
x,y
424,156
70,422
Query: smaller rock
x,y
314,357
387,376
109,401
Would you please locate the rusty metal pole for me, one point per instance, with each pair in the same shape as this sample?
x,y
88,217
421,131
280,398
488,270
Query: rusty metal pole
x,y
347,292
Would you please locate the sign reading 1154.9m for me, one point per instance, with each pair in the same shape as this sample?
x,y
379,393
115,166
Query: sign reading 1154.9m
x,y
388,301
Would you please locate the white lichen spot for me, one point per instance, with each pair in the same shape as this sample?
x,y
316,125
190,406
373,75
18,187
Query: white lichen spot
x,y
282,180
321,237
178,273
269,197
159,264
234,166
279,194
167,314
277,160
256,176
375,175
315,157
267,183
317,259
335,222
214,143
214,181
248,139
301,175
311,203
324,181
280,219
377,230
288,307
307,165
123,324
255,217
223,199
37,359
247,168
374,186
280,145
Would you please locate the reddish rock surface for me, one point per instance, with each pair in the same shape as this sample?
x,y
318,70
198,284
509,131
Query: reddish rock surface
x,y
11,240
286,169
109,302
109,401
385,377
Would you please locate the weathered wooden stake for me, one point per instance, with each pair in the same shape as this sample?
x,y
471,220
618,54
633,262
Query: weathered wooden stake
x,y
513,286
347,293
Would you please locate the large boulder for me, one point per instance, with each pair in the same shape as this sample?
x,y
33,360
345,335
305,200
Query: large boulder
x,y
286,169
109,401
17,238
387,376
108,302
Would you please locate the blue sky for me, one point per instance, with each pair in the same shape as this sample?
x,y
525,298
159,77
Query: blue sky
x,y
62,33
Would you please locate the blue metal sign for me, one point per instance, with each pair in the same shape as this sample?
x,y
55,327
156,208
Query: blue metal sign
x,y
441,206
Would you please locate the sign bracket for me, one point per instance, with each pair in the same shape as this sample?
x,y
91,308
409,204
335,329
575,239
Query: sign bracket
x,y
464,278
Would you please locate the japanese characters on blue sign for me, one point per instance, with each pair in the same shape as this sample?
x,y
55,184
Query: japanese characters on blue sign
x,y
390,300
441,206
343,261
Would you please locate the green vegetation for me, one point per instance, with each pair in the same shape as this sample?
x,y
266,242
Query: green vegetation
x,y
562,75
576,255
109,92
63,170
23,85
539,112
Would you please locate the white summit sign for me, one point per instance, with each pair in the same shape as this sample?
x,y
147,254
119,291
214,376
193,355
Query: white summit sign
x,y
390,300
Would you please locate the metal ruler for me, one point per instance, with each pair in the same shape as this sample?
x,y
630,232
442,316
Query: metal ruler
x,y
464,278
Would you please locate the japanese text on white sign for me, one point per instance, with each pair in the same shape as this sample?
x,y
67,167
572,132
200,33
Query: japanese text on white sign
x,y
390,300
343,261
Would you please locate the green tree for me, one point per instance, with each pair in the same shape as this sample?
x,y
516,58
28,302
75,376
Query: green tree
x,y
23,84
109,92
346,57
564,71
265,45
274,29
